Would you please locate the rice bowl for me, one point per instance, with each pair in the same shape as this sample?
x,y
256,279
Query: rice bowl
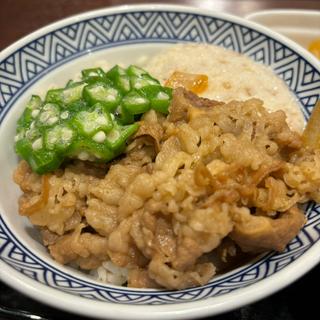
x,y
63,271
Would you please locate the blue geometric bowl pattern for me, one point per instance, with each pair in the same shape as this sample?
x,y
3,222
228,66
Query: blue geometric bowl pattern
x,y
31,62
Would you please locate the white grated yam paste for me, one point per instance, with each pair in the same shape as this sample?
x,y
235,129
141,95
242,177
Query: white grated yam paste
x,y
231,77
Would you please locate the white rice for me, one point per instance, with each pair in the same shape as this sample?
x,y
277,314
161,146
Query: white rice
x,y
108,272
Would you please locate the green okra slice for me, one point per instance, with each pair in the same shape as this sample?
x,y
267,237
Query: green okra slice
x,y
65,96
29,142
70,83
31,112
115,72
73,109
123,84
100,92
140,78
135,102
87,149
40,159
90,122
143,81
118,136
59,138
119,78
159,96
49,115
93,75
123,116
23,148
134,71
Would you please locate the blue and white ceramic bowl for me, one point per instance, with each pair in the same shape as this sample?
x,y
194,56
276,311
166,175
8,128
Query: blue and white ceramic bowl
x,y
54,54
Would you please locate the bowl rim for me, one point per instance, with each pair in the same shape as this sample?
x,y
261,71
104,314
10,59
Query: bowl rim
x,y
159,7
193,309
262,13
189,310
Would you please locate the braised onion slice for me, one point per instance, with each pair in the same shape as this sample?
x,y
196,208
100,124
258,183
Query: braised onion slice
x,y
28,210
311,134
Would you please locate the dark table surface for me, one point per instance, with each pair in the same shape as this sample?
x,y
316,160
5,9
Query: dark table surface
x,y
20,17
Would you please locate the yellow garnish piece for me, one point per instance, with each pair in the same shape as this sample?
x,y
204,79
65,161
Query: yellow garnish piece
x,y
197,83
314,47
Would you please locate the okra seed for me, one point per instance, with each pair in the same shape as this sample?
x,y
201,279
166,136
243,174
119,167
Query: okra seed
x,y
113,91
139,100
31,133
18,136
49,107
59,135
162,96
113,135
49,116
52,120
66,134
64,115
52,139
44,117
110,97
126,84
138,85
99,137
101,120
83,155
37,144
35,112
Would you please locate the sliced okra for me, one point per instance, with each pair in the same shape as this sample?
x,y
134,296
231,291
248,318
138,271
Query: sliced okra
x,y
135,102
117,137
59,138
67,95
93,75
159,96
99,92
31,111
48,116
90,122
